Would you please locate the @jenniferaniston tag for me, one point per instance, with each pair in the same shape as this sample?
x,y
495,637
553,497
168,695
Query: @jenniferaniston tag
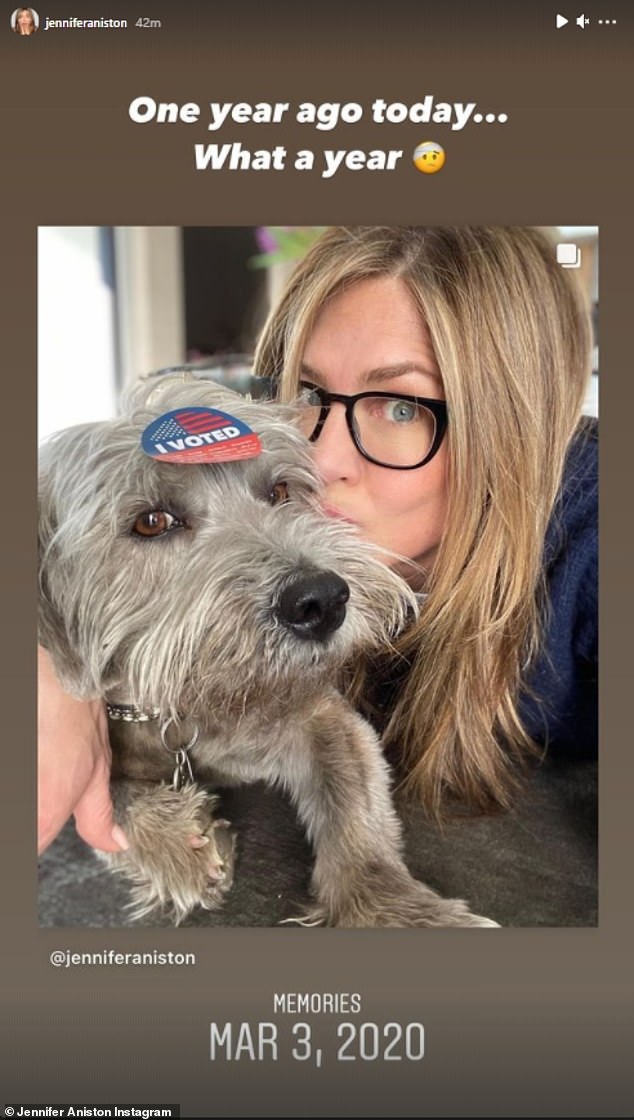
x,y
199,435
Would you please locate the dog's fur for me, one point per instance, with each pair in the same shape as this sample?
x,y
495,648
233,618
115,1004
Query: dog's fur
x,y
195,623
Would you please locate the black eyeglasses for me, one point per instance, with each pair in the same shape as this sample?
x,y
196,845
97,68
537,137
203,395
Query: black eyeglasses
x,y
400,432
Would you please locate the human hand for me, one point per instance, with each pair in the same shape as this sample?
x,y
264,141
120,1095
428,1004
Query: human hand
x,y
73,765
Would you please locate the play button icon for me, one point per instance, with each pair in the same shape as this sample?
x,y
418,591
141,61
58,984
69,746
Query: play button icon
x,y
560,21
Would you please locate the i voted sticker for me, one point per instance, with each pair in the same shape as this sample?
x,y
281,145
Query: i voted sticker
x,y
199,435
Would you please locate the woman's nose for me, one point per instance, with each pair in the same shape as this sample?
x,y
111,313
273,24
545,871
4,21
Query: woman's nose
x,y
334,451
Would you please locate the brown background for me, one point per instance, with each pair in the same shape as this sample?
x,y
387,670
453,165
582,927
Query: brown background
x,y
518,1022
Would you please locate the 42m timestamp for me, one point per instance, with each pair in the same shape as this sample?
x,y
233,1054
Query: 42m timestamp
x,y
148,24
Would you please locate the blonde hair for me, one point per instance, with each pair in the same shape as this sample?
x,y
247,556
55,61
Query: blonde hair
x,y
18,13
511,336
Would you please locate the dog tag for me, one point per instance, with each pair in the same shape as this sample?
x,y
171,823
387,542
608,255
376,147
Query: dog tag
x,y
199,435
183,774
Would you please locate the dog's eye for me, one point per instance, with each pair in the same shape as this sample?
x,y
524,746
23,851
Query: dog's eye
x,y
155,523
278,494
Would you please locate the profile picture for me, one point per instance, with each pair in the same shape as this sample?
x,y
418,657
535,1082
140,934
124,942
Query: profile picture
x,y
25,21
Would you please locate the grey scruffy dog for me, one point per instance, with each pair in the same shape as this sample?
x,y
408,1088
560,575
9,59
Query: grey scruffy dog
x,y
212,606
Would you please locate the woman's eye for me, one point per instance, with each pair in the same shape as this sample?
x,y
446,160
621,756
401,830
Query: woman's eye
x,y
399,411
155,523
278,494
308,394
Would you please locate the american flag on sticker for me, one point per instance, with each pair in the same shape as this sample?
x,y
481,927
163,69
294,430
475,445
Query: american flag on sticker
x,y
199,435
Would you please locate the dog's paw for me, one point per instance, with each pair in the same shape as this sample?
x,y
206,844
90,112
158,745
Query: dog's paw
x,y
179,856
387,896
476,920
215,848
430,912
455,913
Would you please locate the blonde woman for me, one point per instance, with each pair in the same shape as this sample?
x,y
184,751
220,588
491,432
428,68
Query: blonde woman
x,y
498,522
442,374
24,22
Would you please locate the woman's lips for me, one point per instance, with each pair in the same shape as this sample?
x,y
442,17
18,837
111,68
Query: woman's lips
x,y
337,514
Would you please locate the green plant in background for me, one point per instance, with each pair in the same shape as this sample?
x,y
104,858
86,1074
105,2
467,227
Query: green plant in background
x,y
279,244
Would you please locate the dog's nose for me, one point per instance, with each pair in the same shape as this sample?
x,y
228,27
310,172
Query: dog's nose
x,y
314,606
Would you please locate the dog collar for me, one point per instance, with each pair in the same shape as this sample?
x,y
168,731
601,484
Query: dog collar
x,y
129,713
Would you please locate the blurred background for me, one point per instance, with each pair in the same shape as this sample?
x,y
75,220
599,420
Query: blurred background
x,y
116,302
